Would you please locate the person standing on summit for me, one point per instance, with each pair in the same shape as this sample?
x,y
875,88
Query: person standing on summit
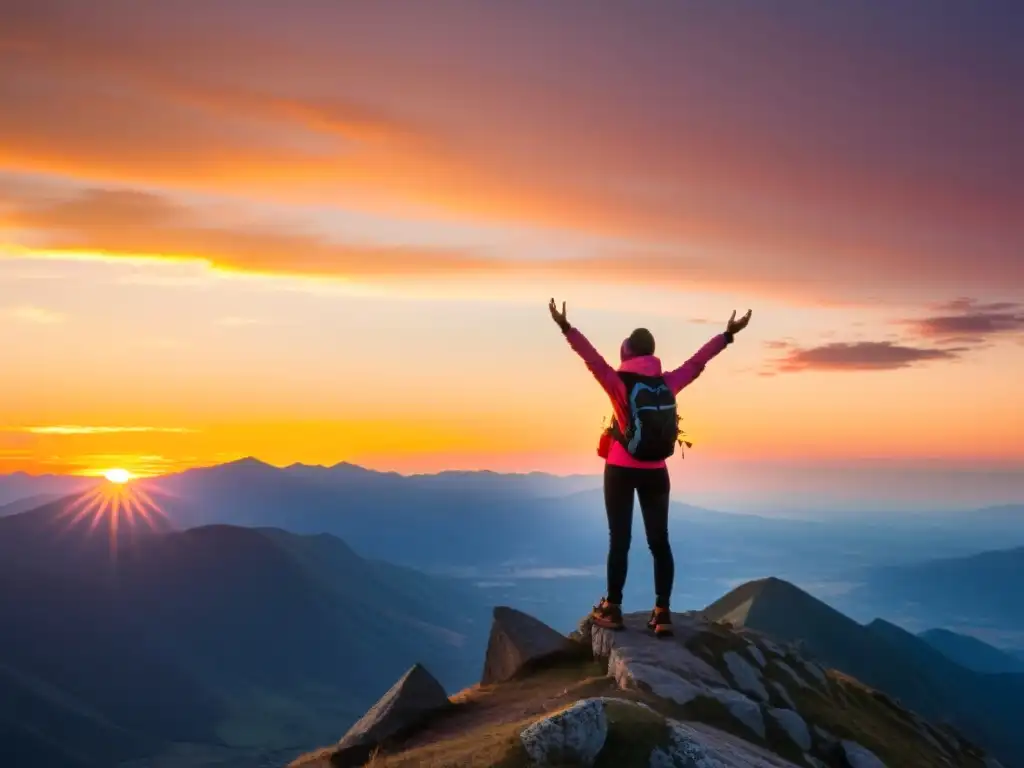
x,y
644,432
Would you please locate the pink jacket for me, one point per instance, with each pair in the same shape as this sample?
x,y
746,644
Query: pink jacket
x,y
646,365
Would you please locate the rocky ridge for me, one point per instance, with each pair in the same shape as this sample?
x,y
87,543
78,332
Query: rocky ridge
x,y
711,697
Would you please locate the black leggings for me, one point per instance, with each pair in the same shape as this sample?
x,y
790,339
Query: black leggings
x,y
652,487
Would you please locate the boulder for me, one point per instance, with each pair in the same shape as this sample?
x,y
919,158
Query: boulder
x,y
518,641
860,757
407,704
741,707
746,676
794,726
574,736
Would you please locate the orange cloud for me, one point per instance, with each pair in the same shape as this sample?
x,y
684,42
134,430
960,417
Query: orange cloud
x,y
970,321
782,172
130,224
861,356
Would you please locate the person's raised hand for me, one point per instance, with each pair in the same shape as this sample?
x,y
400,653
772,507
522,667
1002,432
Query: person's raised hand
x,y
559,317
735,326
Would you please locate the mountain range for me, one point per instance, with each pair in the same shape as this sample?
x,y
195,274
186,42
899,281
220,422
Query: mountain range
x,y
540,539
983,593
21,485
971,652
206,626
986,707
121,644
483,519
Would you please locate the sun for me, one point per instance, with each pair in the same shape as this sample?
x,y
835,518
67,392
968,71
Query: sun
x,y
118,476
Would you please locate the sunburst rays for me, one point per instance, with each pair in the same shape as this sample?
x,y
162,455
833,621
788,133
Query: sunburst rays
x,y
121,507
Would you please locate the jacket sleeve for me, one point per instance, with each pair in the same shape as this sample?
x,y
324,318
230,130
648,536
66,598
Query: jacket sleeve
x,y
604,373
685,374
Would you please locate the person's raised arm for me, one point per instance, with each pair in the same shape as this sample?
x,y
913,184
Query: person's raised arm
x,y
604,373
692,368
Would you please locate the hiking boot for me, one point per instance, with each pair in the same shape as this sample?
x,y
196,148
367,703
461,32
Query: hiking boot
x,y
607,615
661,622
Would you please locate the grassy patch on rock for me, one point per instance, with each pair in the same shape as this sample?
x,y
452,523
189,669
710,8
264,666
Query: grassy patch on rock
x,y
714,641
875,723
634,731
482,727
479,748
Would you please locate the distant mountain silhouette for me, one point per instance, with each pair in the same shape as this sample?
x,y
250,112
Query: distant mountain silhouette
x,y
467,521
988,708
472,520
986,589
28,502
532,484
971,652
20,485
1009,515
217,635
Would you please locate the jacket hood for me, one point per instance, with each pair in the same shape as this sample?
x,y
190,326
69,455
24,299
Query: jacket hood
x,y
645,365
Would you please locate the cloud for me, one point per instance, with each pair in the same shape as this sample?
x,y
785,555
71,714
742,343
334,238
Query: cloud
x,y
36,315
72,429
130,224
860,356
780,169
127,224
970,321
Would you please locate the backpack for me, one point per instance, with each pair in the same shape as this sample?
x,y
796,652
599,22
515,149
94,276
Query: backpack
x,y
653,428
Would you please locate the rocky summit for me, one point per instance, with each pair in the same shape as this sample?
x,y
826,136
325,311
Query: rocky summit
x,y
712,696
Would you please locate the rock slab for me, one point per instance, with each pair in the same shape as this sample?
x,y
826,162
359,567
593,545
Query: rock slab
x,y
694,746
747,678
580,734
416,696
518,640
860,757
794,726
740,706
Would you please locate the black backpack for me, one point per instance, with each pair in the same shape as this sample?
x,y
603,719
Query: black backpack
x,y
653,428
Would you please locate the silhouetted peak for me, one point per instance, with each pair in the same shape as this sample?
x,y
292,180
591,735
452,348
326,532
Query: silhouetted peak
x,y
882,625
938,632
350,468
771,599
247,463
897,634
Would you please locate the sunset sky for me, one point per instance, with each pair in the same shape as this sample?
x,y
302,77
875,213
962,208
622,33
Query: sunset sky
x,y
320,230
